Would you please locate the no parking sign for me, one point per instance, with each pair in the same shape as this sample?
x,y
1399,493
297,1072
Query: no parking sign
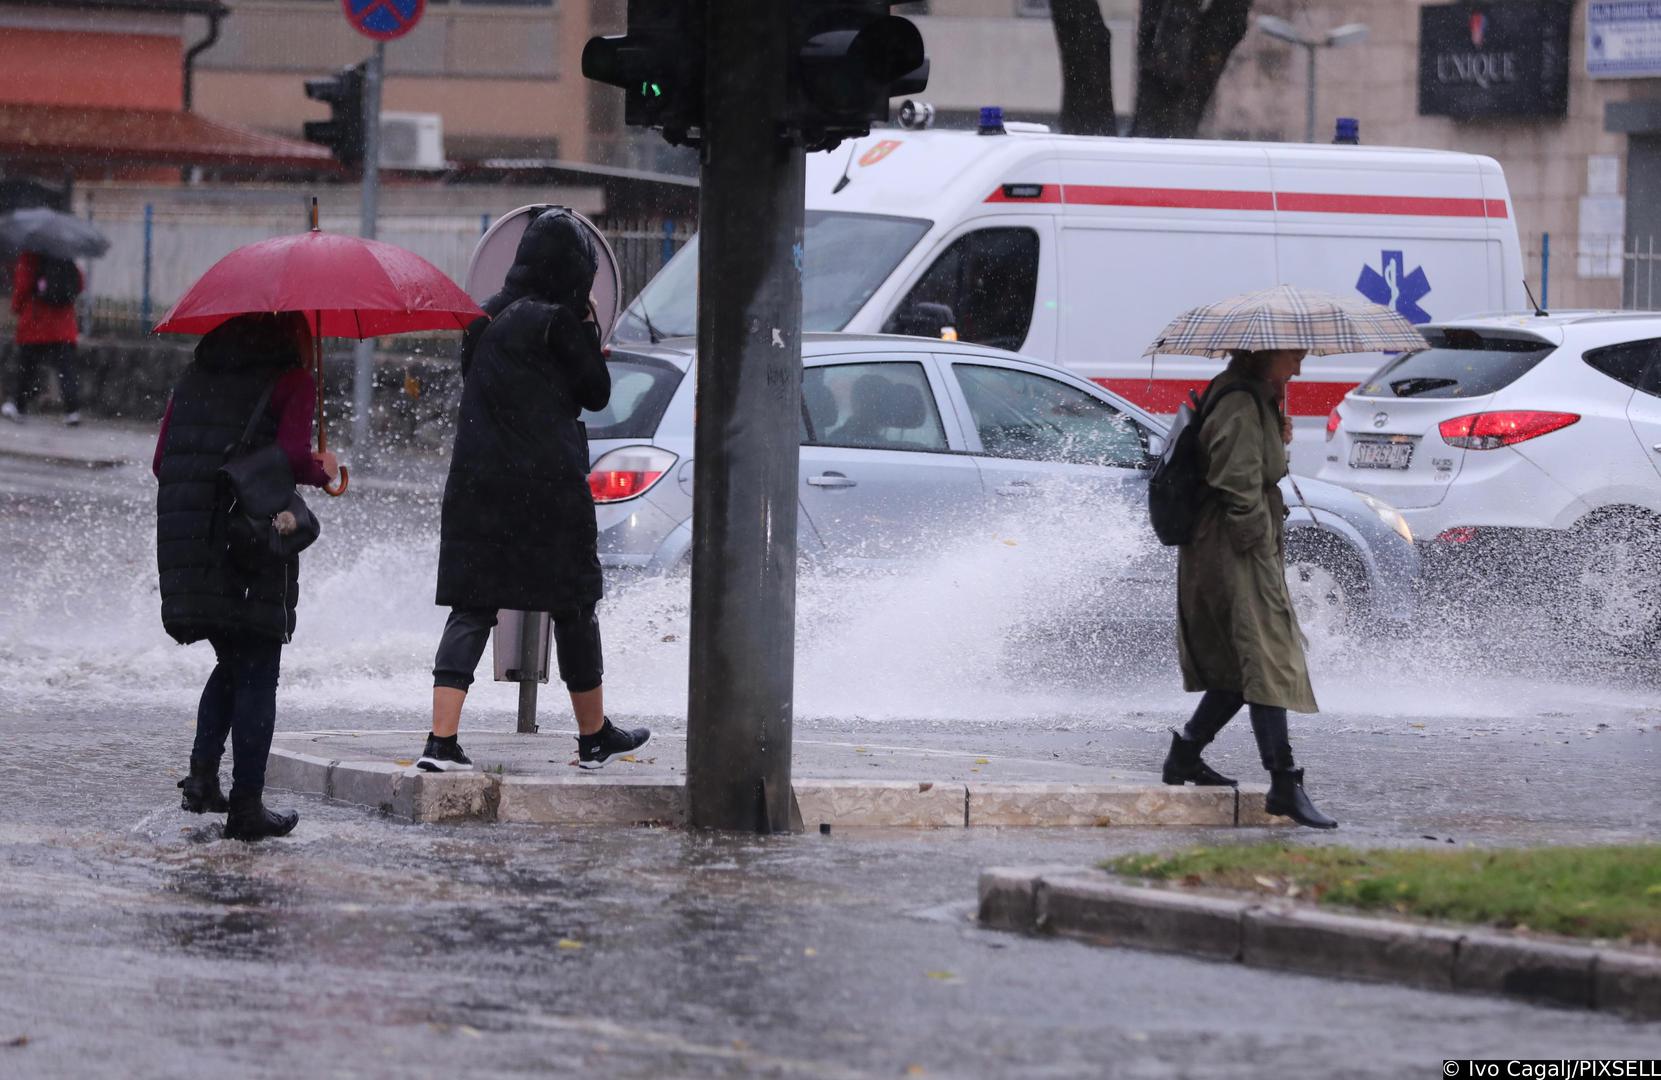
x,y
383,20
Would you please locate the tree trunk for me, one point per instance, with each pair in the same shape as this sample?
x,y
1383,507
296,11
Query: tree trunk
x,y
1086,47
1182,47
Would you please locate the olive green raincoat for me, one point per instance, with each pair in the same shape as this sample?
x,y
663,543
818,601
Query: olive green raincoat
x,y
1236,627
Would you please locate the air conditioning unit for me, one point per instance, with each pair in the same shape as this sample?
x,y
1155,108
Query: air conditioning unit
x,y
412,140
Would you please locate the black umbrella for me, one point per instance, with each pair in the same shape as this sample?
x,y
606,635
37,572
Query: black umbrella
x,y
51,232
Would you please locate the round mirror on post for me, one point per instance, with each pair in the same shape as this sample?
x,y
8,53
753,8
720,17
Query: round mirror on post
x,y
493,257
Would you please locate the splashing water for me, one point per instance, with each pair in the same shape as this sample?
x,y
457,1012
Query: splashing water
x,y
1017,618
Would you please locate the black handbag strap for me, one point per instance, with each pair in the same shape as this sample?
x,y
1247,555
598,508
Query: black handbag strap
x,y
259,411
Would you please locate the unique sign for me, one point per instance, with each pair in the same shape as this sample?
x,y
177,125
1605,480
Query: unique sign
x,y
1496,59
383,20
1623,39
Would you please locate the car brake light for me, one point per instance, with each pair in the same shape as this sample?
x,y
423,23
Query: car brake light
x,y
1492,430
1332,422
627,472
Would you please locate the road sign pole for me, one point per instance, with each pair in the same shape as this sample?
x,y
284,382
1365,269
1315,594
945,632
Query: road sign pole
x,y
743,641
363,357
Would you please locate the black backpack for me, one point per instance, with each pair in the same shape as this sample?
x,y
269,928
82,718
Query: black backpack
x,y
1177,487
58,283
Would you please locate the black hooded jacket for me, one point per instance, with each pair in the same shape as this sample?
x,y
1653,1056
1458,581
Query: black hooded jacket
x,y
518,528
202,594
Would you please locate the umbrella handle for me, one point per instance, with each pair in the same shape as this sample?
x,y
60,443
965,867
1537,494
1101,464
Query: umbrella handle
x,y
338,488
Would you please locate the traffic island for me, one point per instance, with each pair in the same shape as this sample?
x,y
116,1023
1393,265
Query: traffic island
x,y
1275,922
533,779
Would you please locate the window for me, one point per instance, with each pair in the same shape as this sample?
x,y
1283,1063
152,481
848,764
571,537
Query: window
x,y
640,390
983,284
1458,364
1625,363
1036,418
870,406
845,258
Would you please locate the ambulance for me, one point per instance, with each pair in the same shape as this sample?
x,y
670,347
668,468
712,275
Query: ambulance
x,y
1079,250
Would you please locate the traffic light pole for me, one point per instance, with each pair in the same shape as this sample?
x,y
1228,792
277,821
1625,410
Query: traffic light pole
x,y
743,639
363,356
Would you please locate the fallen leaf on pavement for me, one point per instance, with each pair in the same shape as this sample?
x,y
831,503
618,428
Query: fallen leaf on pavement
x,y
470,1032
1267,883
915,1070
567,943
404,763
630,758
983,761
810,951
941,976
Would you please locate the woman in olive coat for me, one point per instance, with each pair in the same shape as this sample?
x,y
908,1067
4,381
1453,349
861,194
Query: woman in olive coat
x,y
1238,635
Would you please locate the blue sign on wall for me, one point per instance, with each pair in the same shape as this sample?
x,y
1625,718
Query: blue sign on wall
x,y
1623,39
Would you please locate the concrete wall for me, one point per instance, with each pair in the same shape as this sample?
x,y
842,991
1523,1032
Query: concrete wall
x,y
506,80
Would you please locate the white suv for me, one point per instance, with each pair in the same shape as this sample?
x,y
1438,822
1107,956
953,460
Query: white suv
x,y
1523,435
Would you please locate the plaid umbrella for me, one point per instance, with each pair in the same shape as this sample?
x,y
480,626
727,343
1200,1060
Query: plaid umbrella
x,y
1287,317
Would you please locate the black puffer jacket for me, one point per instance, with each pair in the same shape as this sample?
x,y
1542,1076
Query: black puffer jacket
x,y
518,527
202,594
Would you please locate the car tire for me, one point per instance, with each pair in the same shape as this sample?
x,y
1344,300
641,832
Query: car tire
x,y
1613,584
1327,581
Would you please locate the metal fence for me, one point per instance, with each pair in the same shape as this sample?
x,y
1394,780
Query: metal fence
x,y
1621,272
156,253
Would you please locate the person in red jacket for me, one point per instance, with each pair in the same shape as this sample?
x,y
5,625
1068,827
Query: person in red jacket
x,y
46,336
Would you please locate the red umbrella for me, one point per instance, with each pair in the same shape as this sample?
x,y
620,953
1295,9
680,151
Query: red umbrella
x,y
346,286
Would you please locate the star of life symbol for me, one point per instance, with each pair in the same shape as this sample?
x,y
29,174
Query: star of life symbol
x,y
1395,288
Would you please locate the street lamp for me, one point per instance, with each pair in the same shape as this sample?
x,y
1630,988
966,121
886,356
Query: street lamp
x,y
1348,34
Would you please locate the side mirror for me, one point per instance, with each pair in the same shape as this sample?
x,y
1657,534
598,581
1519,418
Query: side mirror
x,y
923,319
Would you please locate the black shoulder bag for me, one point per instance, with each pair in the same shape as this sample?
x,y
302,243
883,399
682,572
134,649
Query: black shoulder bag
x,y
266,521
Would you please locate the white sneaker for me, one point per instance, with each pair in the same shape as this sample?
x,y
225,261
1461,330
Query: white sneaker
x,y
9,411
72,419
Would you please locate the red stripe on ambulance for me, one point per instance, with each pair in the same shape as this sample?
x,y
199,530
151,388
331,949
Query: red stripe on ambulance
x,y
1292,202
1165,396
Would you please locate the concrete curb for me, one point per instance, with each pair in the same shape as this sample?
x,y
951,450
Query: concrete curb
x,y
613,799
1113,911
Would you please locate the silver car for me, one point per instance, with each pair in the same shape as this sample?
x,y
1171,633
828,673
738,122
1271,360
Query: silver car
x,y
909,444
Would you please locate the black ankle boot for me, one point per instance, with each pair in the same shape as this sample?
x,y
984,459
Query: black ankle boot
x,y
1184,766
201,788
1288,799
250,820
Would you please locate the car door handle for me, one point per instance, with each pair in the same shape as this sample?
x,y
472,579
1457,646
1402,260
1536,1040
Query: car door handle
x,y
831,480
1016,487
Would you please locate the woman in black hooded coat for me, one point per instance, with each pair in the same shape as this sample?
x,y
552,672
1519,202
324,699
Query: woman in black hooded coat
x,y
246,376
518,529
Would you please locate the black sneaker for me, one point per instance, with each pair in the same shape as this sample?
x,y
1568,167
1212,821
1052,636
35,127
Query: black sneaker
x,y
595,750
443,755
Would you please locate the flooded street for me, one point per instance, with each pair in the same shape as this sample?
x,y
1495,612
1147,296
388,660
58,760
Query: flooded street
x,y
140,944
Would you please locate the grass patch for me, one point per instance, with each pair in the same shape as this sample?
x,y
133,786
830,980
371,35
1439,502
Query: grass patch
x,y
1592,892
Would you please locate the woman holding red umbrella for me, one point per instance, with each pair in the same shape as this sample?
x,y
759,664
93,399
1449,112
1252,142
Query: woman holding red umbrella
x,y
247,375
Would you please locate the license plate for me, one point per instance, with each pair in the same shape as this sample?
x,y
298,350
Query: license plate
x,y
1381,454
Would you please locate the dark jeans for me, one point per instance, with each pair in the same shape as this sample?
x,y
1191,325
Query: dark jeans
x,y
31,359
1217,708
240,701
576,648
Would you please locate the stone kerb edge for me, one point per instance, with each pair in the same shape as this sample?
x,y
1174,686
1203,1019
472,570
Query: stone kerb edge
x,y
1092,906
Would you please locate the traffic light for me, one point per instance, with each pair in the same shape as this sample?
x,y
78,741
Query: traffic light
x,y
659,64
342,133
850,57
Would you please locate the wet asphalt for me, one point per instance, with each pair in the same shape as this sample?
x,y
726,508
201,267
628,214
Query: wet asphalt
x,y
138,943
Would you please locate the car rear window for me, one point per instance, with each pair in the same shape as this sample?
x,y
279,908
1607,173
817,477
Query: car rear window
x,y
641,387
1458,364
